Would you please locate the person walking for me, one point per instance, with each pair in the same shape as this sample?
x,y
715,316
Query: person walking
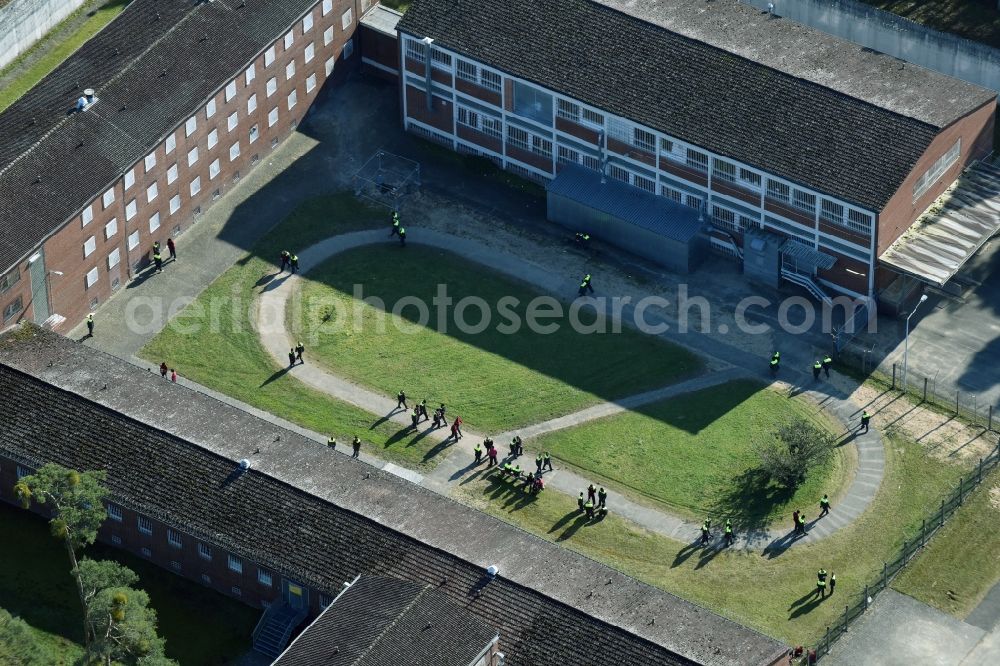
x,y
591,492
454,431
585,285
602,497
90,325
414,417
824,505
293,261
729,532
285,256
422,410
172,249
706,528
802,523
158,260
580,501
401,401
538,463
518,446
331,442
833,583
356,446
588,506
775,364
865,418
821,583
299,348
291,358
394,231
491,453
479,453
827,363
817,367
173,375
795,522
163,370
547,461
441,409
402,237
458,426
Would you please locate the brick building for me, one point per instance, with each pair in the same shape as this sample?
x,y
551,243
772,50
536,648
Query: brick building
x,y
286,534
189,96
819,151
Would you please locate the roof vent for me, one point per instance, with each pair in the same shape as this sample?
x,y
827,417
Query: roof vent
x,y
86,100
770,8
245,464
492,571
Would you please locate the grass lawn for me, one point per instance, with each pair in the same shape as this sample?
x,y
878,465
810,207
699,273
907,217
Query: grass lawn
x,y
771,594
961,563
696,453
493,380
401,5
56,46
213,342
978,20
199,625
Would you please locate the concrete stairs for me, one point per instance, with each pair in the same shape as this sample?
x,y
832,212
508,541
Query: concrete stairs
x,y
272,634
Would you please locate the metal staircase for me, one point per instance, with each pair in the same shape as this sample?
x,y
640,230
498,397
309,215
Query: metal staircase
x,y
807,282
272,634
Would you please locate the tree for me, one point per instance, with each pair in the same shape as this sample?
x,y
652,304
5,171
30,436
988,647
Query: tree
x,y
796,449
123,625
76,504
18,644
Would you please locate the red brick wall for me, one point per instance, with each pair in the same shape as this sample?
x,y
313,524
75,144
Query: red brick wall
x,y
622,148
840,276
379,48
20,290
472,90
729,189
685,172
442,117
480,139
976,132
790,212
528,157
578,131
64,250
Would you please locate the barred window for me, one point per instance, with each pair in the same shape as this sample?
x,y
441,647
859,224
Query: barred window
x,y
440,59
568,110
858,221
778,191
725,218
592,117
804,201
490,80
517,137
750,179
415,50
723,170
643,183
697,160
619,173
541,146
467,71
832,212
644,140
567,155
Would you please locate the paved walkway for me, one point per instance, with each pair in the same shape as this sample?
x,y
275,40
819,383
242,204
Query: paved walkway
x,y
457,465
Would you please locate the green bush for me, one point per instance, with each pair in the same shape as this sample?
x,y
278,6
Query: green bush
x,y
797,448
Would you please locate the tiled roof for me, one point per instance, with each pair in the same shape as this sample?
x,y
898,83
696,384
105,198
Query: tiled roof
x,y
322,518
380,621
152,67
743,105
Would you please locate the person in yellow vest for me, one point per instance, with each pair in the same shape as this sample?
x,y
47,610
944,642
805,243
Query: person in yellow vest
x,y
821,583
817,367
865,418
827,363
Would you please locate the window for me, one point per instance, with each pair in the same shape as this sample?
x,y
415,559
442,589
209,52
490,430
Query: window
x,y
250,74
230,90
272,117
235,564
146,552
289,39
293,98
307,23
174,539
150,161
468,71
697,160
490,80
517,137
327,7
145,524
114,258
175,203
111,228
272,86
213,138
723,170
564,108
644,140
749,223
440,59
87,215
206,579
171,174
115,512
567,155
253,134
365,5
311,83
204,551
328,36
151,193
310,52
330,62
937,170
858,221
171,143
541,146
325,600
804,201
109,197
289,70
749,179
252,103
416,51
192,156
724,218
210,108
213,169
588,116
237,592
645,184
346,19
154,222
190,126
269,56
348,49
195,186
831,212
89,246
619,173
129,178
778,191
116,540
10,280
234,151
263,577
133,240
232,121
674,195
533,103
175,565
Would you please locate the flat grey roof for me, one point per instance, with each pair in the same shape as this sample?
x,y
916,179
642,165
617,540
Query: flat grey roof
x,y
382,19
951,230
625,202
812,55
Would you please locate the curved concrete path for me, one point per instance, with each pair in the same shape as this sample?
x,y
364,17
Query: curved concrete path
x,y
456,466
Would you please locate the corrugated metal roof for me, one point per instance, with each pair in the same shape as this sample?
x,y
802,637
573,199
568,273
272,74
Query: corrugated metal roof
x,y
794,248
382,19
630,204
951,230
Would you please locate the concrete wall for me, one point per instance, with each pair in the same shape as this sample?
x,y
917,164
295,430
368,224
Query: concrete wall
x,y
24,22
896,36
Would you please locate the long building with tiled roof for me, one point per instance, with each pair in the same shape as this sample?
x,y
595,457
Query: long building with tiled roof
x,y
312,519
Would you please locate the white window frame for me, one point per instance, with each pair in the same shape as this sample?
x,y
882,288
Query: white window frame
x,y
108,198
213,138
250,74
172,173
310,51
348,49
131,208
327,7
192,157
111,228
115,512
114,258
252,103
214,168
347,19
330,64
235,563
416,51
269,55
154,221
175,203
290,70
174,538
311,82
151,192
254,133
293,99
778,191
87,215
234,151
89,246
272,117
144,524
133,240
170,143
230,91
328,36
272,86
307,23
191,126
195,186
210,108
232,121
92,277
129,179
289,40
150,161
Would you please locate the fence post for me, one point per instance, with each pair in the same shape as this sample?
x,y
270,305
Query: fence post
x,y
885,575
979,478
941,522
866,597
905,555
827,650
847,608
961,483
956,402
893,375
989,419
925,389
923,532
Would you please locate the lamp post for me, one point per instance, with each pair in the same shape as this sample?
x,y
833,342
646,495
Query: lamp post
x,y
906,338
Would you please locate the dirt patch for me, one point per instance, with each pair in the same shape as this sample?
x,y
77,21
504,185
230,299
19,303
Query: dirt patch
x,y
995,497
943,436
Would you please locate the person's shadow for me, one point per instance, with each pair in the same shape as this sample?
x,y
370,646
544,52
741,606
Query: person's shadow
x,y
806,604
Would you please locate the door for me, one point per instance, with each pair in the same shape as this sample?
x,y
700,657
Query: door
x,y
296,596
39,290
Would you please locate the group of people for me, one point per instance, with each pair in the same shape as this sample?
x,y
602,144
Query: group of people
x,y
775,363
398,229
355,445
164,370
821,583
295,355
727,532
289,261
419,412
158,258
595,504
799,516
